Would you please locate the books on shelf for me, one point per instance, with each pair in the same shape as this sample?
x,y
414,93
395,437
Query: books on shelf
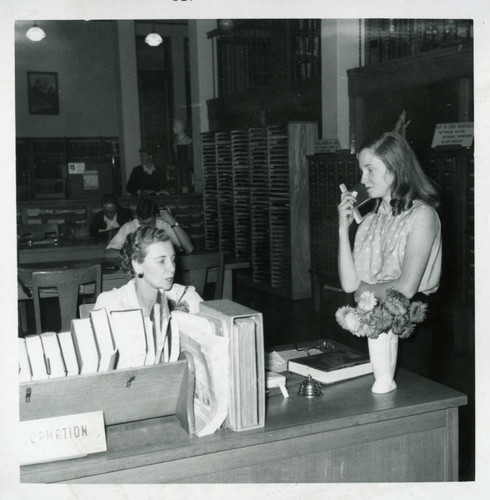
x,y
85,345
25,373
244,329
36,357
103,337
68,353
128,328
336,364
210,355
52,353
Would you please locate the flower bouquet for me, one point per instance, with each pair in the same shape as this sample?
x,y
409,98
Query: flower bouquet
x,y
383,323
372,317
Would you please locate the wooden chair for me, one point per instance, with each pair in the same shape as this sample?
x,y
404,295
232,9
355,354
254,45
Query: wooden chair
x,y
194,269
84,310
67,282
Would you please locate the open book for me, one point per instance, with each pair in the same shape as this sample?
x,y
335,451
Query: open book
x,y
210,355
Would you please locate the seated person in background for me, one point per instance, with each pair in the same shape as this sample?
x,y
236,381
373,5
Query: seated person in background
x,y
146,178
148,257
146,213
112,216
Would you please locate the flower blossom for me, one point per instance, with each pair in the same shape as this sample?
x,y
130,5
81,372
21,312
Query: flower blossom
x,y
367,301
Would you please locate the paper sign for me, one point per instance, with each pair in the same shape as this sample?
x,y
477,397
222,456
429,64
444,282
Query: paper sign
x,y
60,438
76,168
453,134
327,145
90,180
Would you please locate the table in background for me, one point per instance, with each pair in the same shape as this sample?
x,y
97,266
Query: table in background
x,y
85,253
348,435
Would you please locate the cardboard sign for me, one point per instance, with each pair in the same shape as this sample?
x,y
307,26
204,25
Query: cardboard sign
x,y
60,438
76,168
453,134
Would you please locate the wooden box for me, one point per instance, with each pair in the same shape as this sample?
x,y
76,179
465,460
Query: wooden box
x,y
123,395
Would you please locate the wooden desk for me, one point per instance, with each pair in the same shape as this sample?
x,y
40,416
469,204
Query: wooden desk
x,y
348,435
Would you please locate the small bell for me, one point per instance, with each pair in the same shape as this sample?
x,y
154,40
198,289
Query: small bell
x,y
310,388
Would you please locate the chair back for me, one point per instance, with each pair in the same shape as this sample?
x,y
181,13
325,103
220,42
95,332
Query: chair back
x,y
67,282
195,269
84,310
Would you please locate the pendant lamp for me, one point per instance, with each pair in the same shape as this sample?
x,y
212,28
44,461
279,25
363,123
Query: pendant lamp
x,y
153,39
35,33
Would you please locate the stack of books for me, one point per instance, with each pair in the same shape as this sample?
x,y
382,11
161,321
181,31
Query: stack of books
x,y
244,329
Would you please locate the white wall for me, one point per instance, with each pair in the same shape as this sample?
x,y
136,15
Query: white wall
x,y
340,52
128,99
201,62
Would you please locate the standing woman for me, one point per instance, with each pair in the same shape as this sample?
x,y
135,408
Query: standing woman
x,y
148,257
398,244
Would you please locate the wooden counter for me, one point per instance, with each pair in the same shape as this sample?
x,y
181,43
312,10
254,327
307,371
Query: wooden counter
x,y
348,435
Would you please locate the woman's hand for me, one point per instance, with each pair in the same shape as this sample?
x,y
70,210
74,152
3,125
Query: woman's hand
x,y
346,209
166,216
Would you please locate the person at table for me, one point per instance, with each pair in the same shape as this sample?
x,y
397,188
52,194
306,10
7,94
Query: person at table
x,y
148,214
146,178
148,258
111,217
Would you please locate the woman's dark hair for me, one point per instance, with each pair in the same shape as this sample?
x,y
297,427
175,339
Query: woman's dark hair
x,y
409,180
146,208
109,198
136,245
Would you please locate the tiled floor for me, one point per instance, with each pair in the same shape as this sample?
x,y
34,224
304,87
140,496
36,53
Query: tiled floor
x,y
287,321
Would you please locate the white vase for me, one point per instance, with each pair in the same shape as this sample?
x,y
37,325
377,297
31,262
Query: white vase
x,y
383,353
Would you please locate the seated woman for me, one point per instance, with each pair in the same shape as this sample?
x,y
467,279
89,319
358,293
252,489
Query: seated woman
x,y
148,257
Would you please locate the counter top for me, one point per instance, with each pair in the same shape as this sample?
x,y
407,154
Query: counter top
x,y
348,415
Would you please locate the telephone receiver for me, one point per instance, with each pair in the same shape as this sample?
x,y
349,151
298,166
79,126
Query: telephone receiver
x,y
362,197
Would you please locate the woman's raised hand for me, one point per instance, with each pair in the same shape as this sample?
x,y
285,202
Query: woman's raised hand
x,y
346,208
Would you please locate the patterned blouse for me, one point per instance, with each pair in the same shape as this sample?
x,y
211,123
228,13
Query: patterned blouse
x,y
380,244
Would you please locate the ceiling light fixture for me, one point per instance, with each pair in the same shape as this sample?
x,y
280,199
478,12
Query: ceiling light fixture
x,y
153,39
35,33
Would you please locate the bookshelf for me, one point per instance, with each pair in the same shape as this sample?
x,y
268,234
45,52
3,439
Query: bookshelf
x,y
256,202
268,72
41,164
388,39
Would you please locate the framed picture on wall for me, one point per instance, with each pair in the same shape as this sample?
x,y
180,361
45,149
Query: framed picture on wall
x,y
43,93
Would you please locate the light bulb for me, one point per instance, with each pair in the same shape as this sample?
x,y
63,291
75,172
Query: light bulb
x,y
153,39
35,33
